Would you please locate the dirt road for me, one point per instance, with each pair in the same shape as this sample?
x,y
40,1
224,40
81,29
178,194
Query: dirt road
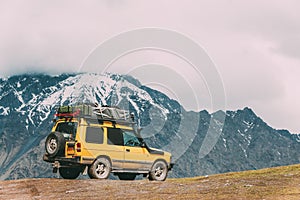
x,y
274,183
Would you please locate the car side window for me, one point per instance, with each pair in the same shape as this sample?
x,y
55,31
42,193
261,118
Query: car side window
x,y
131,140
115,136
94,135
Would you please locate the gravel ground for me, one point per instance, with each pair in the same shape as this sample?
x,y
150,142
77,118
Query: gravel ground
x,y
274,183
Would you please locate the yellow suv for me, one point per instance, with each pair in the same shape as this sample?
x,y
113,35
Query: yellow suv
x,y
99,141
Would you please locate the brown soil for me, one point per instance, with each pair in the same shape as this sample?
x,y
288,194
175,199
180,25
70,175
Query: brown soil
x,y
274,183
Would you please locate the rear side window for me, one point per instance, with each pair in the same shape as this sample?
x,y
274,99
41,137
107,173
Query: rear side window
x,y
94,135
115,136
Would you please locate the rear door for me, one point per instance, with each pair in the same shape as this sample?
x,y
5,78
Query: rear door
x,y
115,147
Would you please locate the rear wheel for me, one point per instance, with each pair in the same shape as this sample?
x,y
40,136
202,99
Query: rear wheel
x,y
69,172
100,169
159,171
55,144
127,176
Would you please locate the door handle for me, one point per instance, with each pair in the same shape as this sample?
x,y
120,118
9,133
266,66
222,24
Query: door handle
x,y
128,150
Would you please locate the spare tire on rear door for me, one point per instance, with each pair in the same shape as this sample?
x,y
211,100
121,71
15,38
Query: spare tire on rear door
x,y
55,144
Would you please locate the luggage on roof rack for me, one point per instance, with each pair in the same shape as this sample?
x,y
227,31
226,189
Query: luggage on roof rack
x,y
112,112
99,112
83,108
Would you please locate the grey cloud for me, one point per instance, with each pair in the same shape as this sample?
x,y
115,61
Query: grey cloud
x,y
276,21
56,36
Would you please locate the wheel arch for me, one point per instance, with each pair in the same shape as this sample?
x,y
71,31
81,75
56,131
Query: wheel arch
x,y
160,159
104,156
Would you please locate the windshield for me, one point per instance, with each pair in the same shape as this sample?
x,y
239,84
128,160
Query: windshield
x,y
68,129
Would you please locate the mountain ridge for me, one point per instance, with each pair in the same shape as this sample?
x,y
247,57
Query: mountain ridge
x,y
201,142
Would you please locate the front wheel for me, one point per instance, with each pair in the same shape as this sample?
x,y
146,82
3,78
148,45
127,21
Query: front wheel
x,y
100,169
159,171
69,172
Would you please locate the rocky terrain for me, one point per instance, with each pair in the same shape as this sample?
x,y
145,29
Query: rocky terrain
x,y
282,183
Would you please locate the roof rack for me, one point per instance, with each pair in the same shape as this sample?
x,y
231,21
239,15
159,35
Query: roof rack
x,y
104,113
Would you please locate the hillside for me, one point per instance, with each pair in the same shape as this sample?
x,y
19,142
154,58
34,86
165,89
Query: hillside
x,y
273,183
201,142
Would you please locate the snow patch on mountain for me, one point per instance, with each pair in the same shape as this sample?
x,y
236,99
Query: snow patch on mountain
x,y
4,110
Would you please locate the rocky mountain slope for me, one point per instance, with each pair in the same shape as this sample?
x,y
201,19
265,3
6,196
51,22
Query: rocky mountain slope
x,y
238,140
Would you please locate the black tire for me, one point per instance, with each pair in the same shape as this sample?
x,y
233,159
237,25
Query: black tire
x,y
159,171
100,169
90,175
69,172
55,144
126,176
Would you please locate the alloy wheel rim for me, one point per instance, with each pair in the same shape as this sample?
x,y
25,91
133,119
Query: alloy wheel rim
x,y
52,145
101,169
159,171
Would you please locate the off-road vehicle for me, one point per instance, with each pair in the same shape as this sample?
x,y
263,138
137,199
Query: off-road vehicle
x,y
100,141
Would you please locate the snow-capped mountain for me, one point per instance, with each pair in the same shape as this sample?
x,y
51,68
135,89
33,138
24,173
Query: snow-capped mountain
x,y
201,143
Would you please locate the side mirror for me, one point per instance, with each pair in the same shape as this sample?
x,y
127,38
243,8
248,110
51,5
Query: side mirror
x,y
144,145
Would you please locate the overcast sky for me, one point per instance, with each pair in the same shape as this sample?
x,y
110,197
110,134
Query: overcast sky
x,y
255,45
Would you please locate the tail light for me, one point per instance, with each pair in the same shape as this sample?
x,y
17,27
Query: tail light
x,y
78,147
